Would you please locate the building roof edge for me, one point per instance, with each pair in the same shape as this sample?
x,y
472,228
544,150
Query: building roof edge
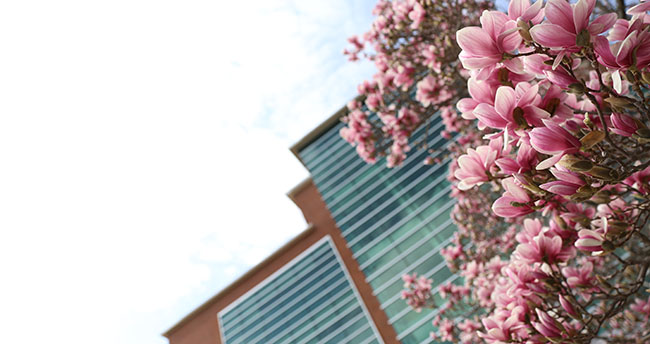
x,y
319,130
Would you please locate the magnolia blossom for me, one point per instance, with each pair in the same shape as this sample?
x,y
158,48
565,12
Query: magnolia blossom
x,y
514,202
484,46
474,167
566,22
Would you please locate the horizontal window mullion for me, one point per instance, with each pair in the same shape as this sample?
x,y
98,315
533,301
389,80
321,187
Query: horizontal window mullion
x,y
322,281
410,267
407,172
409,160
347,299
232,323
386,204
358,253
340,329
422,242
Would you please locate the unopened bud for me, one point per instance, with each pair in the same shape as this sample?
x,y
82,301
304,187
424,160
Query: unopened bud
x,y
646,77
524,30
583,193
618,102
603,173
643,133
608,246
617,226
581,166
601,197
591,139
577,88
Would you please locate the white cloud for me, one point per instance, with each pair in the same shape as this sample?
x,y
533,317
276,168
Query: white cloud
x,y
144,150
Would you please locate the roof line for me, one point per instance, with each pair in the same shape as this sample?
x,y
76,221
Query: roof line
x,y
238,281
319,130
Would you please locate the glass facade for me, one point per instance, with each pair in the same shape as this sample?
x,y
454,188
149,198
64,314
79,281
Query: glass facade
x,y
395,221
310,300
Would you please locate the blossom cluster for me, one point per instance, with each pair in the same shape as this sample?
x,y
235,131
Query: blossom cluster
x,y
551,167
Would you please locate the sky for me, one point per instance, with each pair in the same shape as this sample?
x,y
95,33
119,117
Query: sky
x,y
144,152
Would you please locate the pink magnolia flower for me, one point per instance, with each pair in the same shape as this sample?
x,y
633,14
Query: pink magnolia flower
x,y
514,202
589,240
525,161
567,183
623,125
473,167
553,140
633,51
568,307
431,90
548,326
417,15
639,180
446,329
512,108
485,46
502,326
566,22
560,77
481,92
418,291
541,249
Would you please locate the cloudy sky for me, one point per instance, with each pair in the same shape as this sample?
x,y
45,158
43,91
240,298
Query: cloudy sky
x,y
144,154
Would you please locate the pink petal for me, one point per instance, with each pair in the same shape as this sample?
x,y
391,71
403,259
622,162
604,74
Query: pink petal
x,y
581,13
602,24
489,116
510,39
534,13
604,52
640,8
560,188
471,62
476,41
492,22
567,177
552,36
517,8
624,56
480,91
503,208
515,190
549,162
466,105
505,101
559,12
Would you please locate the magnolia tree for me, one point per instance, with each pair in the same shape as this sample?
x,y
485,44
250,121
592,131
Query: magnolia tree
x,y
549,109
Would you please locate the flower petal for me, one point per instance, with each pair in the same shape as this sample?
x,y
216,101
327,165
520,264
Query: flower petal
x,y
552,36
559,12
476,42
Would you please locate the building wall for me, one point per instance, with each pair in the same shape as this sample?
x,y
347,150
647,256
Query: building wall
x,y
394,221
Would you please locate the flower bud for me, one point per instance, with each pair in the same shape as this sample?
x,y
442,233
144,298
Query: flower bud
x,y
524,30
576,88
568,307
591,139
646,77
603,173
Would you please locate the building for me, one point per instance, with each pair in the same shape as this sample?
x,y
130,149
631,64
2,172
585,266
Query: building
x,y
340,280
